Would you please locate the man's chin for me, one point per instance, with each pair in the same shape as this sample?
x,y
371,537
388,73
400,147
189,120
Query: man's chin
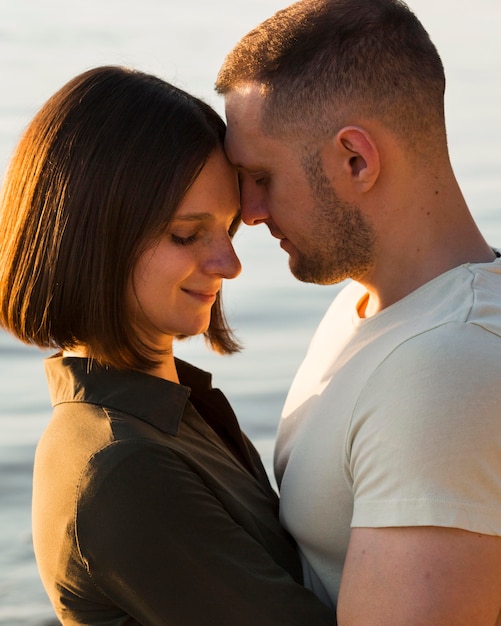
x,y
313,274
304,274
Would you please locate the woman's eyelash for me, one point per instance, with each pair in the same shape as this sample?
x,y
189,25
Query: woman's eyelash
x,y
237,220
184,241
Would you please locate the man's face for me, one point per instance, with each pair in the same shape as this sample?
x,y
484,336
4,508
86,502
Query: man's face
x,y
284,186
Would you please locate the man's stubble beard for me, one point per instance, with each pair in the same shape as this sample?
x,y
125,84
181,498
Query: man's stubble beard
x,y
341,240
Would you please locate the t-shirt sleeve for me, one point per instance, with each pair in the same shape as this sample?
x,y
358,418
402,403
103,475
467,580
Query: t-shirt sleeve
x,y
425,444
159,543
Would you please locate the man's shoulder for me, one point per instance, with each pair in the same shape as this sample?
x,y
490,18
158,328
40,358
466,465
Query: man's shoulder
x,y
454,364
453,342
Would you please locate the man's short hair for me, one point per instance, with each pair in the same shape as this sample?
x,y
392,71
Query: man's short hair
x,y
322,64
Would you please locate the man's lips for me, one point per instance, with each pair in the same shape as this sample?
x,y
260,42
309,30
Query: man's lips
x,y
284,242
275,233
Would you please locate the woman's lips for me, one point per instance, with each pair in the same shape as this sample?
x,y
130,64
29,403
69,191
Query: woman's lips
x,y
202,296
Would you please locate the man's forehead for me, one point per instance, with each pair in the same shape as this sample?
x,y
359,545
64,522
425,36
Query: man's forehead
x,y
246,143
243,131
244,106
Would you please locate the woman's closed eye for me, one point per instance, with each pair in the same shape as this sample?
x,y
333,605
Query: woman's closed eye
x,y
184,241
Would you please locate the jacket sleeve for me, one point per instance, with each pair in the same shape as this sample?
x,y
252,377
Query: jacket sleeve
x,y
161,545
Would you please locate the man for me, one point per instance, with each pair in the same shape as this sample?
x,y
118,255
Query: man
x,y
389,450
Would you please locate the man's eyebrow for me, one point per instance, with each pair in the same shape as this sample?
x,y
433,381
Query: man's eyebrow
x,y
252,170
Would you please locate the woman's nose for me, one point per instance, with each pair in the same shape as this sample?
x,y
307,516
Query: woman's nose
x,y
225,261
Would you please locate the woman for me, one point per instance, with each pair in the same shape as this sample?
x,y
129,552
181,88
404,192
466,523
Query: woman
x,y
149,506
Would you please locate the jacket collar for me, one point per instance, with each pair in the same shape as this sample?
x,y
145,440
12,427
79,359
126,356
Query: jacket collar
x,y
154,400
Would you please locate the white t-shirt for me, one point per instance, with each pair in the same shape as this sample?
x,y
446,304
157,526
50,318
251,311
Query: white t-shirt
x,y
395,420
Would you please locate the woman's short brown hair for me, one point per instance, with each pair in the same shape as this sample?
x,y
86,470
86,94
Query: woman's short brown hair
x,y
99,172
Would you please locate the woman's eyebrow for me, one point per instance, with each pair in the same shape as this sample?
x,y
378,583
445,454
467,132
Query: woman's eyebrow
x,y
192,217
196,217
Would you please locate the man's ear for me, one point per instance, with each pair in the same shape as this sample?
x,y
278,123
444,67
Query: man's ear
x,y
359,156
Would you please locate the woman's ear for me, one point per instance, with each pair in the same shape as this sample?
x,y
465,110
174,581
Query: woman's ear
x,y
359,156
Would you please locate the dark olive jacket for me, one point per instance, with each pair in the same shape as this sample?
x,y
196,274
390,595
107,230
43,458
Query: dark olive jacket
x,y
145,512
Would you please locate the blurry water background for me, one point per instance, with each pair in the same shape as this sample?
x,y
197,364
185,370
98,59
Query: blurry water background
x,y
44,44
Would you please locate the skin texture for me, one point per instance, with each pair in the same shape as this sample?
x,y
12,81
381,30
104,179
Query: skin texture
x,y
401,205
283,186
438,576
176,279
408,206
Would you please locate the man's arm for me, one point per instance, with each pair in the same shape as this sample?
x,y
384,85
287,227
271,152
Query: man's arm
x,y
421,576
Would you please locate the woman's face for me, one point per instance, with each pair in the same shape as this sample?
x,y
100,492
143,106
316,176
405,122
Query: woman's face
x,y
175,281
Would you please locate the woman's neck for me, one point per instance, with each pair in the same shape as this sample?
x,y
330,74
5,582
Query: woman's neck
x,y
166,369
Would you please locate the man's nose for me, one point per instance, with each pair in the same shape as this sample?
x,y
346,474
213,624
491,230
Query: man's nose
x,y
253,203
